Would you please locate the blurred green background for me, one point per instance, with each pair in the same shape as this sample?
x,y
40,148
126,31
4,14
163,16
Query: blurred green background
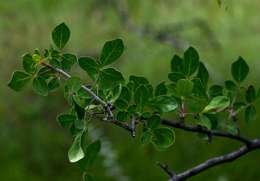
x,y
32,145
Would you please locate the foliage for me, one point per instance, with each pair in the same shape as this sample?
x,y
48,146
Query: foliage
x,y
133,102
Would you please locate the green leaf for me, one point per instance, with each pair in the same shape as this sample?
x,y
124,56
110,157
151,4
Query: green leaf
x,y
111,51
137,81
203,74
250,113
40,86
161,89
79,110
204,121
29,64
74,84
251,94
120,104
122,116
141,96
199,89
68,60
61,35
76,152
53,84
163,138
218,103
19,80
176,64
215,90
163,103
153,121
91,154
110,78
65,120
230,85
90,66
125,94
175,76
88,177
184,87
146,137
239,70
191,61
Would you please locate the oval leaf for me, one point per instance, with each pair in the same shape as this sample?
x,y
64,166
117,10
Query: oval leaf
x,y
61,35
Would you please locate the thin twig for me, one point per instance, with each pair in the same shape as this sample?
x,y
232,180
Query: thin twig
x,y
254,144
177,124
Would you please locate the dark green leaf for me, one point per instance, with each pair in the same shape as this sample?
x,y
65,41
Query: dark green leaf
x,y
29,65
111,51
137,81
68,60
203,74
90,66
88,177
91,154
125,94
204,121
53,84
79,110
199,89
250,113
146,137
230,85
66,120
141,96
176,64
122,116
163,138
184,87
61,35
153,121
76,152
19,80
163,103
161,89
121,104
74,84
175,76
218,103
239,70
40,86
110,78
215,90
251,94
191,61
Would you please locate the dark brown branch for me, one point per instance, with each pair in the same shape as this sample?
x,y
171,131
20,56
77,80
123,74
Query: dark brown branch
x,y
166,169
254,144
191,128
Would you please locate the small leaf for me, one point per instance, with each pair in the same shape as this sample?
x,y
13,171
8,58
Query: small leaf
x,y
76,152
146,137
110,78
215,90
125,94
141,96
250,113
239,70
191,61
40,86
218,103
184,87
153,121
175,76
122,116
111,51
65,120
121,104
163,103
230,85
19,80
251,94
29,64
204,121
91,154
163,138
203,74
161,89
74,84
61,35
79,110
68,60
53,84
176,64
137,81
90,66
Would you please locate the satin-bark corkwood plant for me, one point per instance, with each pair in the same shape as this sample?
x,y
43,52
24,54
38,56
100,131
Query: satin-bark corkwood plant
x,y
129,103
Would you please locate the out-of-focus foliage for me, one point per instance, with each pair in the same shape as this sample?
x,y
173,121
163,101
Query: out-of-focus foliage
x,y
33,147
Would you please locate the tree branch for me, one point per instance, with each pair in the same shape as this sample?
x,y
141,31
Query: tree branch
x,y
179,125
254,144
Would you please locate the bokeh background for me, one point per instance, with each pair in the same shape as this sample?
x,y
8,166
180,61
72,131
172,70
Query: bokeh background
x,y
32,145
